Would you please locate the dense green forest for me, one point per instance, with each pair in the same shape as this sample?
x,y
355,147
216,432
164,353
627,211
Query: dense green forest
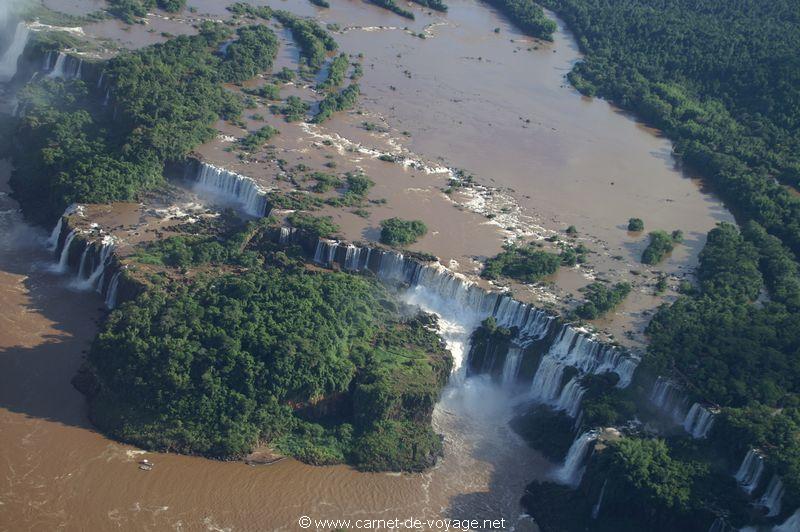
x,y
162,102
227,360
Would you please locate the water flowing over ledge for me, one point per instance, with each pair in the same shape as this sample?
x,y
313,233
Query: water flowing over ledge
x,y
672,401
89,256
236,189
10,58
62,65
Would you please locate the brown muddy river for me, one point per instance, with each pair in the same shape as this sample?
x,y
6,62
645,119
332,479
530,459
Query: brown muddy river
x,y
476,99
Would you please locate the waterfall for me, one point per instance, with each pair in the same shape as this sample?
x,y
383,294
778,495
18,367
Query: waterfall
x,y
392,267
64,258
52,242
58,68
669,398
511,365
570,399
772,498
100,79
233,187
9,60
104,258
94,260
790,525
571,348
571,472
441,291
82,266
286,234
599,503
698,421
749,474
547,380
111,294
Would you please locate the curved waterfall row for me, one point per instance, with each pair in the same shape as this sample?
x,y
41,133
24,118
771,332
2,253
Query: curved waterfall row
x,y
750,471
10,58
90,258
61,65
535,330
571,472
240,190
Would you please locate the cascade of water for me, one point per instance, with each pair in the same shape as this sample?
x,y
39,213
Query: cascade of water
x,y
9,60
233,187
571,472
58,68
84,256
698,421
47,61
570,399
62,261
669,398
103,260
749,474
547,380
107,98
318,252
599,503
773,497
792,524
286,234
52,242
446,292
111,294
100,79
511,365
331,249
391,267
